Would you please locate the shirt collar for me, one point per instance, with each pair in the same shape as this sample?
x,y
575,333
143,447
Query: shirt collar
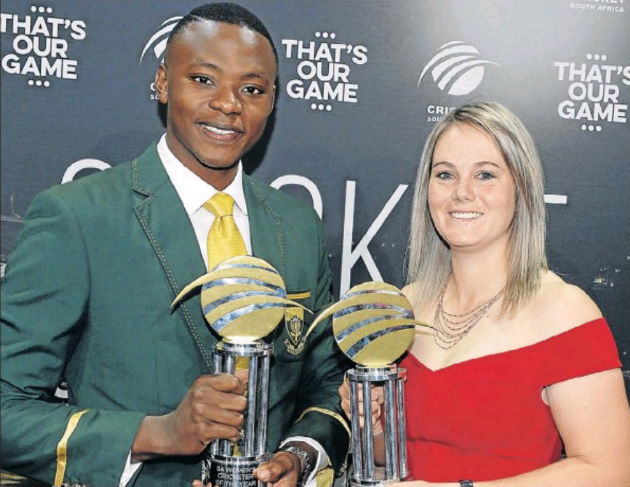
x,y
191,189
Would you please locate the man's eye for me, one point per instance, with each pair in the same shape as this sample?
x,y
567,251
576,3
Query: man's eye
x,y
201,79
253,90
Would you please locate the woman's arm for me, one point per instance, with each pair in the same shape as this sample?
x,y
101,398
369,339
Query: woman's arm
x,y
593,420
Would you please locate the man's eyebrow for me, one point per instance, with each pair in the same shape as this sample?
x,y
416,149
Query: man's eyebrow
x,y
215,67
254,74
207,64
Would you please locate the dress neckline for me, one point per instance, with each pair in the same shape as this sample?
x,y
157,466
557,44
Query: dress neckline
x,y
505,352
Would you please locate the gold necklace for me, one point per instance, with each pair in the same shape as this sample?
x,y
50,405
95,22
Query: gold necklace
x,y
449,329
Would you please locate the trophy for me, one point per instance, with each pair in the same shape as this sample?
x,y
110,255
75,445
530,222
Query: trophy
x,y
373,324
243,300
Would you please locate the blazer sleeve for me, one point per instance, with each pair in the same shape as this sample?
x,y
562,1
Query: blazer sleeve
x,y
45,297
318,407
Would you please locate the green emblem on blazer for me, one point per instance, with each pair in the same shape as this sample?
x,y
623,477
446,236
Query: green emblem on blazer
x,y
294,324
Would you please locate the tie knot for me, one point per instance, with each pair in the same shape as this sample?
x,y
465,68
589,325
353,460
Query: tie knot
x,y
220,205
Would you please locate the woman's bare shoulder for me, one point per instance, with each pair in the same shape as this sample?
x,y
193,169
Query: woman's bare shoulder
x,y
561,305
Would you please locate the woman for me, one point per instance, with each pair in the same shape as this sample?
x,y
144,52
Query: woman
x,y
518,363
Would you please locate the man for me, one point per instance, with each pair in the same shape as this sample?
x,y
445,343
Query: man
x,y
87,292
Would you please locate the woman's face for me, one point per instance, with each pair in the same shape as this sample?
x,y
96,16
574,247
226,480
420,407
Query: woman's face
x,y
472,195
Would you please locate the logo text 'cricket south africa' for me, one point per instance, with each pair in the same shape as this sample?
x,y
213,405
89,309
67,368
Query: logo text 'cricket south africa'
x,y
157,45
599,6
323,73
595,91
39,48
456,68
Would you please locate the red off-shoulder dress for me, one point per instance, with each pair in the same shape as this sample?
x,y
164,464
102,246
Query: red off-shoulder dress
x,y
484,418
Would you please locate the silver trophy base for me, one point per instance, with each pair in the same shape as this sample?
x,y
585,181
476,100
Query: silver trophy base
x,y
369,483
227,471
377,480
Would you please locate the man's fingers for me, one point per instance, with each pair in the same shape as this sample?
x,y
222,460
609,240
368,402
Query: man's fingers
x,y
281,464
222,382
242,375
221,431
206,399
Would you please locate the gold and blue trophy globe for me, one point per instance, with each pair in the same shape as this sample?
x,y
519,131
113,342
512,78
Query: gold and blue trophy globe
x,y
373,324
243,300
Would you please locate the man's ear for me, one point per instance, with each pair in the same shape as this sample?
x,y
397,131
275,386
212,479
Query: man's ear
x,y
161,83
273,100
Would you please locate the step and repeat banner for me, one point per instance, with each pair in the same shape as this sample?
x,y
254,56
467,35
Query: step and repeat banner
x,y
362,82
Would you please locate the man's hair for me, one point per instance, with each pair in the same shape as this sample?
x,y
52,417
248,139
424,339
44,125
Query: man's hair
x,y
229,13
430,256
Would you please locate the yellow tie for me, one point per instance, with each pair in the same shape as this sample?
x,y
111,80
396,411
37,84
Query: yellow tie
x,y
224,239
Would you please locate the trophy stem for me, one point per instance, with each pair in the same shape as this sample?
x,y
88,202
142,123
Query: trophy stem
x,y
402,427
391,447
357,461
365,472
263,398
232,464
368,437
251,408
218,366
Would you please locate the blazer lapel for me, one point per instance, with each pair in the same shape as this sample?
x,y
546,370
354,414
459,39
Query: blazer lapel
x,y
168,229
267,237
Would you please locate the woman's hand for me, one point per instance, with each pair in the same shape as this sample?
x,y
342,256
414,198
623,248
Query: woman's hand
x,y
375,405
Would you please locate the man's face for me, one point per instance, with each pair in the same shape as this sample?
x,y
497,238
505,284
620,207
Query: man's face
x,y
218,81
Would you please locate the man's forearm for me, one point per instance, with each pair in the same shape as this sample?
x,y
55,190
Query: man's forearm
x,y
151,439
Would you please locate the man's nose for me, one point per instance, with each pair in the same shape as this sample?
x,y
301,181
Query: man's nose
x,y
226,101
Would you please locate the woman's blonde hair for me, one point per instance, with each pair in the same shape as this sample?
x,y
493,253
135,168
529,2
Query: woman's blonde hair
x,y
429,256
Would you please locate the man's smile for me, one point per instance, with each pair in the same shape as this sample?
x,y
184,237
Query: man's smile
x,y
220,132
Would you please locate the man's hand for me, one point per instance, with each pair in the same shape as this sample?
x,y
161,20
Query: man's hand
x,y
212,408
285,468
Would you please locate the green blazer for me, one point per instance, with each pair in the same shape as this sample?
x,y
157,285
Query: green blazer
x,y
86,298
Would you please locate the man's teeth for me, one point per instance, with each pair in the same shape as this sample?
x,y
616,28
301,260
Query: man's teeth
x,y
466,215
218,131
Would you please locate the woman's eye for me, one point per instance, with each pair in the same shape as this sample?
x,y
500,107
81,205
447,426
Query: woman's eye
x,y
443,175
485,175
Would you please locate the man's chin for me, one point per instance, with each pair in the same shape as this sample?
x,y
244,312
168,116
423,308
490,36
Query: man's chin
x,y
218,166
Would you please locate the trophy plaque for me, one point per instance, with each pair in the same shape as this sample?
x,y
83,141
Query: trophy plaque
x,y
243,300
373,324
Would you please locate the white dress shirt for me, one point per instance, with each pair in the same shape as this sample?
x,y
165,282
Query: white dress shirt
x,y
194,192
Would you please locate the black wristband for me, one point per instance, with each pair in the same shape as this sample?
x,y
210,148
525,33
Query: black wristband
x,y
466,483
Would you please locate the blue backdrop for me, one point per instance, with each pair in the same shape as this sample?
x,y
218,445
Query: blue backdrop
x,y
361,84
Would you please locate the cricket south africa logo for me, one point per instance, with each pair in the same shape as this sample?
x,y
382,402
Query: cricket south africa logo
x,y
157,42
456,68
154,49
